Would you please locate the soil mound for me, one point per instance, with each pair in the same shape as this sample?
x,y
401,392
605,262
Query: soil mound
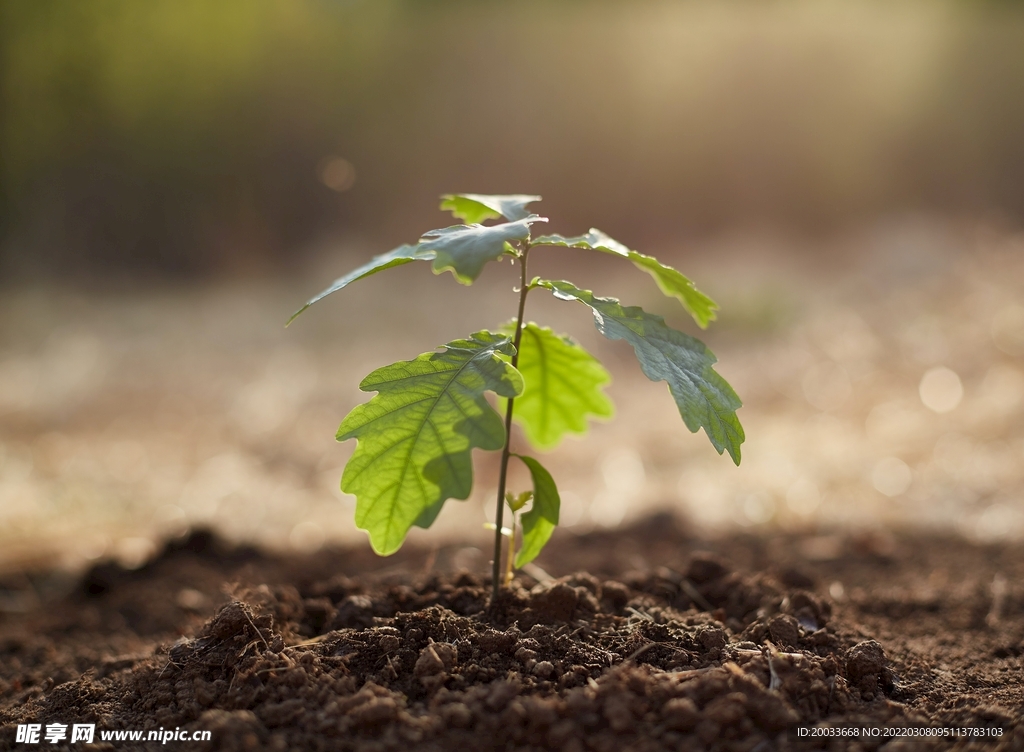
x,y
732,644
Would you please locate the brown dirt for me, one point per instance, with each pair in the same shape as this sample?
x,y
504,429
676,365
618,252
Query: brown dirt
x,y
645,639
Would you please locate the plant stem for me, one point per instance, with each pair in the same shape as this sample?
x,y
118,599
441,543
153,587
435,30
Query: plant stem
x,y
524,288
511,551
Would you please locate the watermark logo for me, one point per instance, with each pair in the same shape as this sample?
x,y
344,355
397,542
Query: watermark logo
x,y
85,733
30,733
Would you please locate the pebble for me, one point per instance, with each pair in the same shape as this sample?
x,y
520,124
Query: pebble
x,y
712,638
544,669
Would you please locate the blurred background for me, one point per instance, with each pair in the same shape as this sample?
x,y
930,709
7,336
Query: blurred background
x,y
845,177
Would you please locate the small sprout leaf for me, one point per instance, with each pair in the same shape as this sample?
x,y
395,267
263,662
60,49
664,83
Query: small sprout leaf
x,y
416,434
466,249
473,208
705,399
517,501
539,523
401,255
670,281
564,384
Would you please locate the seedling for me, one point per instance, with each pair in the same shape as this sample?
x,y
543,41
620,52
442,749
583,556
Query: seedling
x,y
415,437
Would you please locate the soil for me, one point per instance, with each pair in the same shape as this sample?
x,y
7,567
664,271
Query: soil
x,y
646,638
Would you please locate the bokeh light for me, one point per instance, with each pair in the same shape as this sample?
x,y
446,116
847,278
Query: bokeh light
x,y
940,389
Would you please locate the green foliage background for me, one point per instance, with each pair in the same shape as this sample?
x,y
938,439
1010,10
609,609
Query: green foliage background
x,y
186,136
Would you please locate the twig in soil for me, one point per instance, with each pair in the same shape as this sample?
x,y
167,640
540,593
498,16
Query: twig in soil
x,y
250,644
689,673
268,670
259,634
734,669
640,614
999,589
631,658
311,641
288,663
640,651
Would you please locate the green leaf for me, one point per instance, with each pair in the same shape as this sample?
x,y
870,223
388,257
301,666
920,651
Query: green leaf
x,y
428,515
563,386
474,208
670,280
704,398
401,255
416,435
465,249
539,523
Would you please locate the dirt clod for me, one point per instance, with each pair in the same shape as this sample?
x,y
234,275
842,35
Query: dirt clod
x,y
554,603
705,567
615,594
435,659
784,630
865,666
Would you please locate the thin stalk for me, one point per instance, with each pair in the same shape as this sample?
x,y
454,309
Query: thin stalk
x,y
505,453
511,551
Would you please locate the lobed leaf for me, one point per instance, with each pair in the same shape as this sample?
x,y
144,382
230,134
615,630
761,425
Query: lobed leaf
x,y
563,385
402,255
473,208
705,399
466,249
416,434
540,522
671,281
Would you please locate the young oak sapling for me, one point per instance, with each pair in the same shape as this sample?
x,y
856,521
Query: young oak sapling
x,y
416,435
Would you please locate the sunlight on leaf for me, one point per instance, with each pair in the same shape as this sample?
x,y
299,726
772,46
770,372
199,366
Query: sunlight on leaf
x,y
466,249
563,385
416,435
705,400
473,208
670,281
462,249
540,522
